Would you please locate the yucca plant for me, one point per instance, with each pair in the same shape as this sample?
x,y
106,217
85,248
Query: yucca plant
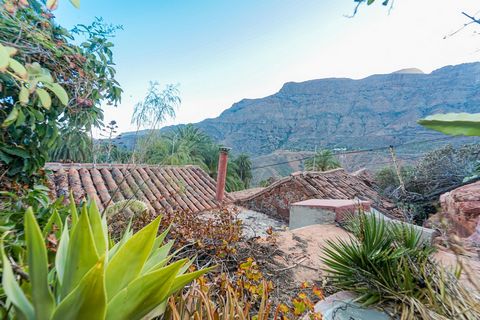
x,y
387,263
91,278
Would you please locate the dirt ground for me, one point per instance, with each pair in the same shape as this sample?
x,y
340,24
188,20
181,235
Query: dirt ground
x,y
291,257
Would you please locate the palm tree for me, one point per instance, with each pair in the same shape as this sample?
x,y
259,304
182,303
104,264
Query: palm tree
x,y
322,161
244,169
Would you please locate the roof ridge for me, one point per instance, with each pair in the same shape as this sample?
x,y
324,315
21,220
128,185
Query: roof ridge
x,y
293,175
89,165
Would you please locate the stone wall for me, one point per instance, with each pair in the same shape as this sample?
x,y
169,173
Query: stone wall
x,y
461,208
276,202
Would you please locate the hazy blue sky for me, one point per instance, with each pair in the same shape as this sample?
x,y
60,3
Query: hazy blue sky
x,y
221,51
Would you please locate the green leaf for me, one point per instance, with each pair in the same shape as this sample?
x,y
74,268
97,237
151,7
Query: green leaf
x,y
37,260
76,3
54,219
18,68
73,209
88,300
59,91
11,118
20,118
160,238
159,255
184,279
44,97
62,252
82,254
24,96
99,235
129,260
466,124
11,51
143,294
18,151
4,58
128,233
13,290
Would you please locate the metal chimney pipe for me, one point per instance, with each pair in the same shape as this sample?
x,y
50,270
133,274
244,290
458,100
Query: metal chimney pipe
x,y
222,173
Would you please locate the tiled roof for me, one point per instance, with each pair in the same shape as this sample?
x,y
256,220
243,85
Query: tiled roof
x,y
244,194
335,184
162,188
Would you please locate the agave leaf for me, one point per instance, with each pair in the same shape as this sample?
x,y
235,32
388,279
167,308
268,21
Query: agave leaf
x,y
184,279
54,218
88,300
73,210
160,238
42,297
44,97
61,256
466,124
13,290
126,236
143,294
129,260
4,58
99,235
82,254
157,256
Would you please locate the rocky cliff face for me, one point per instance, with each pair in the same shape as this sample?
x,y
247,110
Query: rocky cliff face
x,y
345,113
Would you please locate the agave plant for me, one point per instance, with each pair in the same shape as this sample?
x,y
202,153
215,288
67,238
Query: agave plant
x,y
91,278
389,264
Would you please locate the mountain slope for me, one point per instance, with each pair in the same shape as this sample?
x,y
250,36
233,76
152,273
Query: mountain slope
x,y
345,113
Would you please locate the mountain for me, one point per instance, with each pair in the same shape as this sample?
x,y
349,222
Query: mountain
x,y
347,114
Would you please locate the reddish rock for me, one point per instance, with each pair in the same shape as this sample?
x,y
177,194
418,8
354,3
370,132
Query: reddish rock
x,y
461,207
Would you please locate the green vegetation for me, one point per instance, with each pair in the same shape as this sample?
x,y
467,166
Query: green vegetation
x,y
455,124
323,160
189,145
53,82
89,276
389,264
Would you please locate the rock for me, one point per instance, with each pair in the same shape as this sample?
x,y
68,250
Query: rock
x,y
340,306
461,208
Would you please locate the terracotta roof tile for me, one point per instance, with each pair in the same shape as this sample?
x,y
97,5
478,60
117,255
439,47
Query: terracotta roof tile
x,y
335,184
162,188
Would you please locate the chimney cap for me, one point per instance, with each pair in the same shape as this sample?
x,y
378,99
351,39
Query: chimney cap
x,y
224,149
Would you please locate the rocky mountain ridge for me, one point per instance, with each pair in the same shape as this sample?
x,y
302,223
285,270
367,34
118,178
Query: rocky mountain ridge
x,y
347,114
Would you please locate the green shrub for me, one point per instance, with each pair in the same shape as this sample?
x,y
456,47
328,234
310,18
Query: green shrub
x,y
388,264
90,277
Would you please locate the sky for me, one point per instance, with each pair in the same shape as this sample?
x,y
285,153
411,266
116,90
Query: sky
x,y
222,51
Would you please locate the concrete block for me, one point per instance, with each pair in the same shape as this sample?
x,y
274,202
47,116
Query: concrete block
x,y
323,211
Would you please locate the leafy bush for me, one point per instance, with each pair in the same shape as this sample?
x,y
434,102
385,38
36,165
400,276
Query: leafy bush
x,y
388,264
50,85
90,277
246,296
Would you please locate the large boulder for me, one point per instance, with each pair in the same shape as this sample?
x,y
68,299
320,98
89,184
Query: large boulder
x,y
461,207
